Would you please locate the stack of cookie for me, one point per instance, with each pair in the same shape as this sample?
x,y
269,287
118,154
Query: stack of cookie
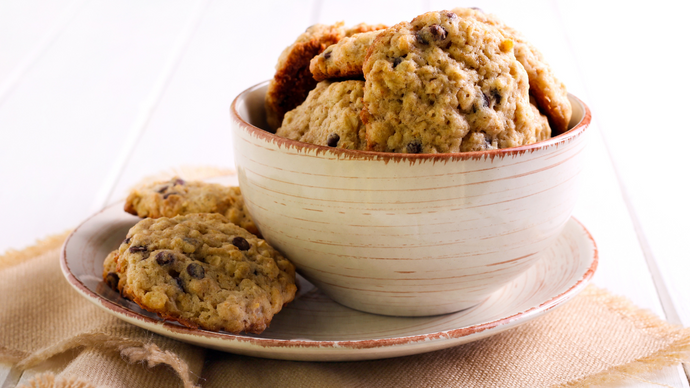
x,y
448,81
196,258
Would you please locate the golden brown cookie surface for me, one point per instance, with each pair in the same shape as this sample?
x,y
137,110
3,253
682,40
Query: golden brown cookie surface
x,y
202,271
178,197
442,80
343,59
550,93
330,116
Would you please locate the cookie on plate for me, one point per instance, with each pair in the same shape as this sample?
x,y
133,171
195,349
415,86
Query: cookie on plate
x,y
343,59
202,271
550,93
293,80
434,81
177,197
329,117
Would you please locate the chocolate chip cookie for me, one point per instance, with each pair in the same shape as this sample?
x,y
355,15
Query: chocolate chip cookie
x,y
293,80
343,59
330,116
177,197
202,271
550,93
442,80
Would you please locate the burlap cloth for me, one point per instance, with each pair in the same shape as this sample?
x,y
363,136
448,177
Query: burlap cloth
x,y
593,339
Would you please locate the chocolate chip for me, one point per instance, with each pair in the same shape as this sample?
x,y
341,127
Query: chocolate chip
x,y
241,243
173,273
438,32
164,257
180,283
414,147
451,15
327,54
137,248
396,61
333,140
496,96
179,181
162,189
112,280
192,241
169,194
430,33
487,102
127,240
196,271
477,9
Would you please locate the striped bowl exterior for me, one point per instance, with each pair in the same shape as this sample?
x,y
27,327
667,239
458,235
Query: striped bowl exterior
x,y
406,235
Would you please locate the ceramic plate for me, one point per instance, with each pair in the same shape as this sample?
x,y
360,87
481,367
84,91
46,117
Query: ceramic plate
x,y
314,328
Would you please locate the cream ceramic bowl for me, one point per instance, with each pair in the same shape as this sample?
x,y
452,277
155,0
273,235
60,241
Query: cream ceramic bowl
x,y
400,234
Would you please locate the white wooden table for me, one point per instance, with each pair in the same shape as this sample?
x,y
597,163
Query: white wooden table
x,y
97,94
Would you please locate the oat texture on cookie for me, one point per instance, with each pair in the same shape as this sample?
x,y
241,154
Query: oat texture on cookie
x,y
330,116
343,59
202,271
550,94
177,197
444,80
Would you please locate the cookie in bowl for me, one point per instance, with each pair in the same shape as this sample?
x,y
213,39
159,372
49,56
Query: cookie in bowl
x,y
441,80
550,93
329,117
202,271
293,80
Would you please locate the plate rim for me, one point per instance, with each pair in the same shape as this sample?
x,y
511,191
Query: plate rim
x,y
267,343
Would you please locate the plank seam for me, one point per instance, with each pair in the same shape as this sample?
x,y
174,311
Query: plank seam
x,y
19,71
148,106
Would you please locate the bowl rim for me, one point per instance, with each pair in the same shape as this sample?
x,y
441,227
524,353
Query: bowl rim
x,y
343,153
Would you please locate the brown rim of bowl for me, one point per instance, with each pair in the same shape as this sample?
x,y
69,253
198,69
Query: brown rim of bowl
x,y
173,327
342,153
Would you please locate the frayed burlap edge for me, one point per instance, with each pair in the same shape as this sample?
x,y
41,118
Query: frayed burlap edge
x,y
131,350
13,257
49,380
676,352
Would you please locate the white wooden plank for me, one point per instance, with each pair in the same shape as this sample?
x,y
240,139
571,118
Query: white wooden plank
x,y
63,124
641,104
5,369
149,104
29,26
232,50
357,11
